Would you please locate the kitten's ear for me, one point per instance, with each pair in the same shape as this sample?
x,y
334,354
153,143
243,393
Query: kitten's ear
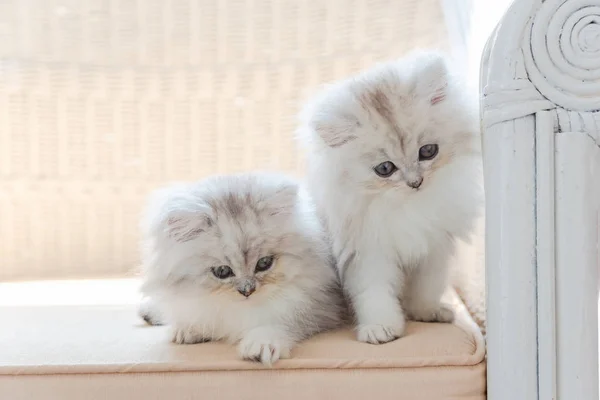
x,y
335,130
431,77
176,213
324,116
183,226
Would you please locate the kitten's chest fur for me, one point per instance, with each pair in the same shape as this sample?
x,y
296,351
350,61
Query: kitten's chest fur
x,y
407,232
404,232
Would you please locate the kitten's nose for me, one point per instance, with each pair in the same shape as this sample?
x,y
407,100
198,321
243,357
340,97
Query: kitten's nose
x,y
247,289
415,183
246,292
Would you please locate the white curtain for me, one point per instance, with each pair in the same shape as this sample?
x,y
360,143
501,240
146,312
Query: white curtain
x,y
470,24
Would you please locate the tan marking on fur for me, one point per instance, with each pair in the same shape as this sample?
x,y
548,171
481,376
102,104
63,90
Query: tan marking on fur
x,y
380,184
342,141
173,220
380,102
183,233
232,203
187,236
235,206
251,204
272,277
447,154
254,245
225,289
442,159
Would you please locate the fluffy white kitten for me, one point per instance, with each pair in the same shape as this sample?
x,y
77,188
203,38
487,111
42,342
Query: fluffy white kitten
x,y
395,169
239,258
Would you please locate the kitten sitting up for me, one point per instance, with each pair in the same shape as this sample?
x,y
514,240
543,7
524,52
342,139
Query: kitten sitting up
x,y
240,258
395,169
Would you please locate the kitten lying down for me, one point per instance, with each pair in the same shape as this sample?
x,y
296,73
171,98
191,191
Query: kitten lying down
x,y
240,258
395,170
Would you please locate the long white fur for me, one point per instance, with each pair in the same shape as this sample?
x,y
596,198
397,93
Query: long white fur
x,y
392,243
234,220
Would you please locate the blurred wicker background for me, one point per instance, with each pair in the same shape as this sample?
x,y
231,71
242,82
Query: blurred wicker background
x,y
101,101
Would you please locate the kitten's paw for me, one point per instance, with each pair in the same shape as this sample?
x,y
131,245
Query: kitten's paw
x,y
379,334
263,349
149,313
187,336
442,313
264,352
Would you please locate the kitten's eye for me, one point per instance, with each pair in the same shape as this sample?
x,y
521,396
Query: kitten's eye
x,y
385,169
222,272
264,264
428,152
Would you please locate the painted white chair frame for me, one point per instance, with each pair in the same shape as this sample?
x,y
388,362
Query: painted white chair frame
x,y
540,86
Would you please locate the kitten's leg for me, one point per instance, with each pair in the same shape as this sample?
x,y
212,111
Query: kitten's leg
x,y
374,284
187,335
427,284
266,344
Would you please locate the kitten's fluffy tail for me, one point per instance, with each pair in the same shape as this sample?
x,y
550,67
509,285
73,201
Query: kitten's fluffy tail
x,y
468,274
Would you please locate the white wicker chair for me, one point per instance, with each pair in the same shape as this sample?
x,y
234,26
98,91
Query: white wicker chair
x,y
541,120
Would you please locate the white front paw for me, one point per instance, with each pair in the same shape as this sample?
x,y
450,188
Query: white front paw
x,y
260,346
187,336
379,334
380,317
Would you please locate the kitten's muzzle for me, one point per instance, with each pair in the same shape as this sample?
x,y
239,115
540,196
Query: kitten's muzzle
x,y
247,288
415,183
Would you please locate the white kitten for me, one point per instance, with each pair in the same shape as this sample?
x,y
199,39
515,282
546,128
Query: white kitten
x,y
239,258
395,168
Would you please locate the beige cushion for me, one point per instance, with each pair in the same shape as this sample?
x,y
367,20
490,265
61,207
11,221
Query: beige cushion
x,y
105,352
